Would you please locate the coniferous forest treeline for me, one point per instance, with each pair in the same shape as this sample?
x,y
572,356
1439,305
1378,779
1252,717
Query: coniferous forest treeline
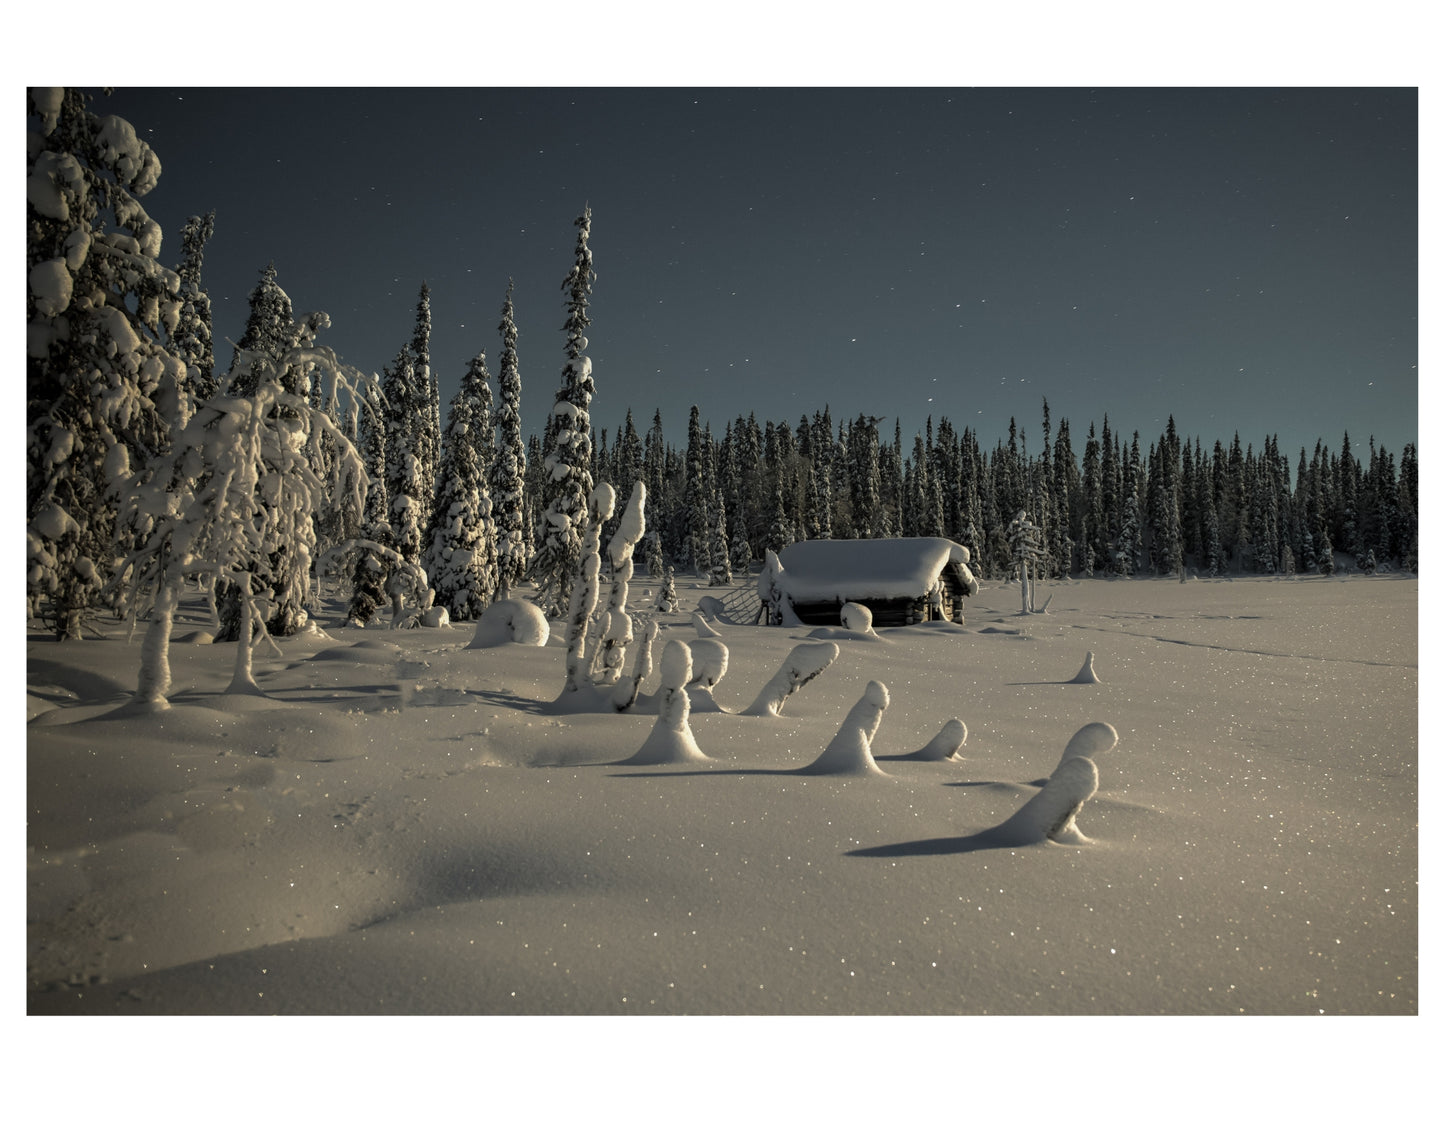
x,y
149,469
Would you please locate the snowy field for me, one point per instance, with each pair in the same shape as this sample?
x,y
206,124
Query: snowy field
x,y
405,825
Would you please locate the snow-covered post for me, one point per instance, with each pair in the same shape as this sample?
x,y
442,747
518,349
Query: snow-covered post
x,y
804,663
617,625
584,593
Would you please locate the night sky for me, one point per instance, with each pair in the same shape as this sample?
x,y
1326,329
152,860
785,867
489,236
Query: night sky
x,y
1245,259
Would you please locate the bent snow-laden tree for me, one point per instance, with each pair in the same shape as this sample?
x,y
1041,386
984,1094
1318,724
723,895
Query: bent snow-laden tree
x,y
239,483
1027,545
102,392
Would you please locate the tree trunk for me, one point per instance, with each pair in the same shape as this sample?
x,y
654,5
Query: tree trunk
x,y
155,666
243,681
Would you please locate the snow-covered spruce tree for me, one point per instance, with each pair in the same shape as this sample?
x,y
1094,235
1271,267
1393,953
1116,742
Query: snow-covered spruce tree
x,y
270,330
696,497
780,532
234,486
721,572
192,338
567,469
368,578
461,560
508,471
101,389
428,420
404,467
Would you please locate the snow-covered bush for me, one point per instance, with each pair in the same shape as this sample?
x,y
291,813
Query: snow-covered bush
x,y
511,621
856,617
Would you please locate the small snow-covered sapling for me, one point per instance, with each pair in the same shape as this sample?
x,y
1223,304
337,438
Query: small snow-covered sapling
x,y
709,664
946,743
671,740
851,749
1049,815
1091,741
804,663
1086,675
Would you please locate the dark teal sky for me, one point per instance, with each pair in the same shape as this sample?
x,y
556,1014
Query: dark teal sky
x,y
1243,259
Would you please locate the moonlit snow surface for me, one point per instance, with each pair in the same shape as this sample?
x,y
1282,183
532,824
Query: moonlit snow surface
x,y
403,827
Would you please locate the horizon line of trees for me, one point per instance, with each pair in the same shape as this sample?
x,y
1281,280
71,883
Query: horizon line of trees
x,y
1116,508
136,448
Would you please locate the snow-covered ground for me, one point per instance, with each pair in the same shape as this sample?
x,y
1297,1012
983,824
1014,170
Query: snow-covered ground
x,y
404,825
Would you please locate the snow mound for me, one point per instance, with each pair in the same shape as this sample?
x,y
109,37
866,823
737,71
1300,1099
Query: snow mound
x,y
850,752
511,621
945,744
371,652
704,629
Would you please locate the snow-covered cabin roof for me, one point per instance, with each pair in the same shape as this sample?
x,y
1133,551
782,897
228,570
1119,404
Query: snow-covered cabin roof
x,y
881,569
